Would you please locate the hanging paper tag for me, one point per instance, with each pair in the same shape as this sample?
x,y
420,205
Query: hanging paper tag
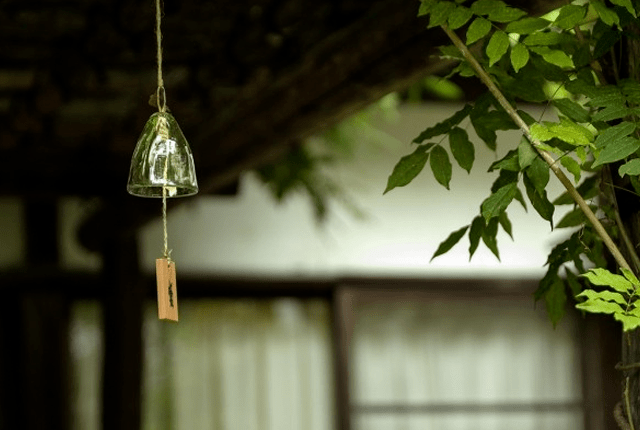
x,y
167,293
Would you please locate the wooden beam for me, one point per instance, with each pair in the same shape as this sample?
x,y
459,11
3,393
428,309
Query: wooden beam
x,y
384,51
34,334
342,329
123,315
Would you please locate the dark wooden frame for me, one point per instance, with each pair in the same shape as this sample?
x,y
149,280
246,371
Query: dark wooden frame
x,y
598,335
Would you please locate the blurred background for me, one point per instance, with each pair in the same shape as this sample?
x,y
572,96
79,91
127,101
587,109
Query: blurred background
x,y
307,298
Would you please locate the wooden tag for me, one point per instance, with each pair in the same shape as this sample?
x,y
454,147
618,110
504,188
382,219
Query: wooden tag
x,y
167,292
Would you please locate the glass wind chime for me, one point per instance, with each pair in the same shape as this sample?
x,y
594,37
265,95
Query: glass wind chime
x,y
162,167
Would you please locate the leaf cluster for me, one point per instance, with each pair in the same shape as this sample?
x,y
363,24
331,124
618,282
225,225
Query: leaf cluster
x,y
618,297
553,60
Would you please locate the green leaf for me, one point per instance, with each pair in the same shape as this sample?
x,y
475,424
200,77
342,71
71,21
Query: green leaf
x,y
617,151
630,277
539,200
606,96
540,132
629,322
607,15
572,219
605,42
538,172
445,126
567,131
598,306
489,237
478,118
573,283
572,110
440,13
627,5
504,178
425,7
505,14
475,234
450,242
497,120
459,17
440,166
581,87
553,56
487,135
555,300
546,38
497,202
526,153
485,7
604,278
570,132
508,162
607,296
478,29
526,25
497,46
614,134
631,168
631,90
572,166
519,56
570,16
548,71
462,148
611,112
408,168
506,224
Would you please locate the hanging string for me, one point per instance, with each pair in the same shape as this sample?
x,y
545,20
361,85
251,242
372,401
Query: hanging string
x,y
162,106
160,93
166,253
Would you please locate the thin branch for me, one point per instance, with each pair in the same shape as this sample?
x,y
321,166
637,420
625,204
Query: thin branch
x,y
618,415
628,404
486,79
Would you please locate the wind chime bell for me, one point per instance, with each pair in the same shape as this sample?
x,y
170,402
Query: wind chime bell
x,y
162,162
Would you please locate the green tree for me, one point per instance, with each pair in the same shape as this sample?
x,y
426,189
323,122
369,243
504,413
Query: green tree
x,y
583,59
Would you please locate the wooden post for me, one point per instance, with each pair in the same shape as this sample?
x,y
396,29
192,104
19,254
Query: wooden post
x,y
123,316
34,331
342,328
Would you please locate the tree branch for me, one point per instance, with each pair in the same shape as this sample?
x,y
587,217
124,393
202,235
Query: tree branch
x,y
486,79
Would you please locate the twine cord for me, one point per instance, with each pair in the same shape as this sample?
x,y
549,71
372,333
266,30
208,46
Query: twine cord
x,y
161,99
160,94
166,252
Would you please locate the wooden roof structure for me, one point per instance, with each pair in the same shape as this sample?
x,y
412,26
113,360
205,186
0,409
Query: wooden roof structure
x,y
246,80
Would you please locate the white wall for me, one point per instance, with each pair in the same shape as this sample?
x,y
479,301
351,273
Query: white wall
x,y
251,235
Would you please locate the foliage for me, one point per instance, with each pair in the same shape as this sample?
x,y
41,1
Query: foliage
x,y
305,168
619,299
556,59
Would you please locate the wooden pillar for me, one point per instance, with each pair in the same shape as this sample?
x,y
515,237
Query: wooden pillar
x,y
45,365
11,363
342,328
123,313
34,370
601,337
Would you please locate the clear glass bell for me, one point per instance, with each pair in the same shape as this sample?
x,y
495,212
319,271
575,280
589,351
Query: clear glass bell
x,y
162,158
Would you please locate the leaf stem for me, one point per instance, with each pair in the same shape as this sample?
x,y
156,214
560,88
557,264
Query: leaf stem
x,y
486,79
628,404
